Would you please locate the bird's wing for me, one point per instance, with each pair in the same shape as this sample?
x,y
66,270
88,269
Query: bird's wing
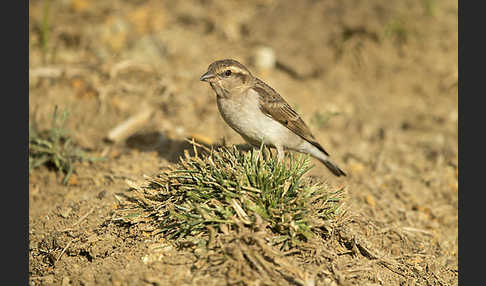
x,y
274,106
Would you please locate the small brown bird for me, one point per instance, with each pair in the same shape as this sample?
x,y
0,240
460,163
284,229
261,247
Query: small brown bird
x,y
257,112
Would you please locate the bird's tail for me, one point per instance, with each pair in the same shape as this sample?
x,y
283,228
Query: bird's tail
x,y
318,152
333,167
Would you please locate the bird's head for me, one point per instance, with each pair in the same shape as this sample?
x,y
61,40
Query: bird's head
x,y
226,76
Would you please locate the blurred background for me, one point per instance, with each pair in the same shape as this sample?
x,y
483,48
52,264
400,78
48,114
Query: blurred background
x,y
376,81
353,63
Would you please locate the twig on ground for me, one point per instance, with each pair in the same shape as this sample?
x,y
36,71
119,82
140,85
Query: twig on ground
x,y
64,250
129,126
79,220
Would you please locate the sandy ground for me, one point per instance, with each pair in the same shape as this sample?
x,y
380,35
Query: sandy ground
x,y
376,81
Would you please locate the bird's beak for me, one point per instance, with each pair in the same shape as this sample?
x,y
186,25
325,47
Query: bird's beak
x,y
207,75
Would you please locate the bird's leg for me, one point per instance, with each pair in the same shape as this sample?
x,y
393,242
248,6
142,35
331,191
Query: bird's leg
x,y
280,153
267,152
256,150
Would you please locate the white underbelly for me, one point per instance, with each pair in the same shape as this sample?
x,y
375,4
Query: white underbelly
x,y
246,118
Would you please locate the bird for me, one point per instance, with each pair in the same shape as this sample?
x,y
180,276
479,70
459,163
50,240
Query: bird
x,y
259,114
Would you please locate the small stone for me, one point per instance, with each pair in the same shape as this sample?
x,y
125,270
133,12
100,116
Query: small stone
x,y
356,167
114,33
116,280
179,130
264,57
48,279
73,180
101,194
152,279
64,213
80,6
327,281
370,200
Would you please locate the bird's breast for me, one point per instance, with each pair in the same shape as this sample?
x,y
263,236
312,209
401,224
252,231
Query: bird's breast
x,y
239,112
243,114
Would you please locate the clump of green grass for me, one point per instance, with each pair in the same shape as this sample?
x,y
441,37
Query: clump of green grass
x,y
228,188
54,147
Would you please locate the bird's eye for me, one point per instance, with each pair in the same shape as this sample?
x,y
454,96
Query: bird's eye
x,y
227,73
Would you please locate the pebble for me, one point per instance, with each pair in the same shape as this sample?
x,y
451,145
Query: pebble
x,y
179,130
329,282
264,57
65,212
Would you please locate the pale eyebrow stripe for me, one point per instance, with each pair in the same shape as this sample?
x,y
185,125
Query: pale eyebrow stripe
x,y
233,69
236,69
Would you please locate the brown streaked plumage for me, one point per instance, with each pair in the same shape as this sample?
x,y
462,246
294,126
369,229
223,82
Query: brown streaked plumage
x,y
276,107
258,113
